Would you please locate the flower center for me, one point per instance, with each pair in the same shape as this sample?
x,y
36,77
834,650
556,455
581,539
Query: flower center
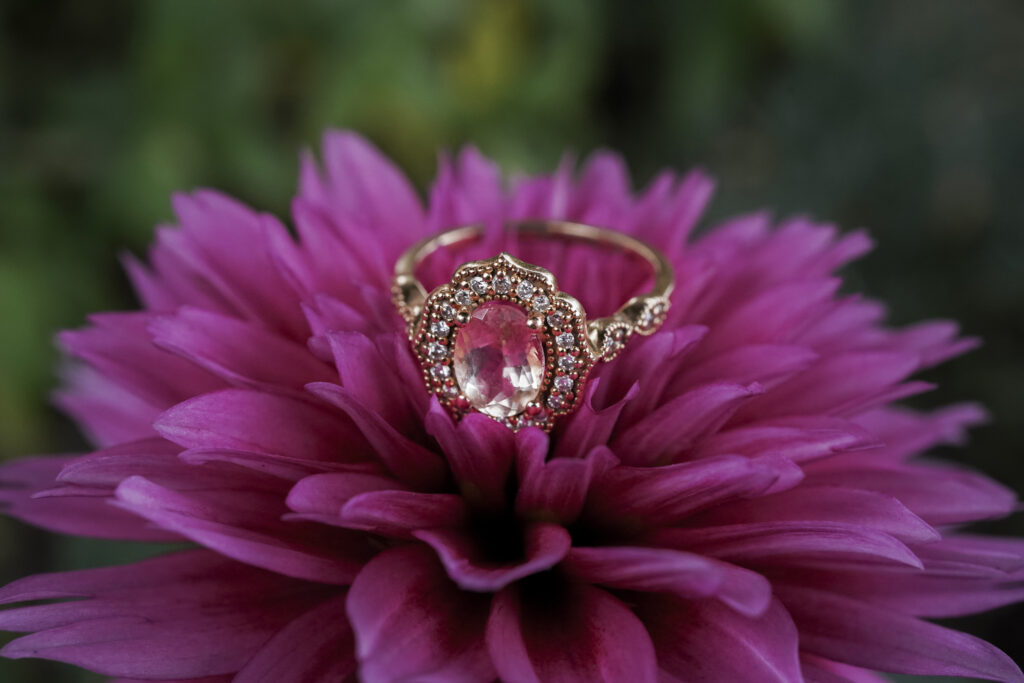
x,y
499,360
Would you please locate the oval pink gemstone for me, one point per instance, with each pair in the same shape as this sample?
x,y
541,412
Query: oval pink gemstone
x,y
499,360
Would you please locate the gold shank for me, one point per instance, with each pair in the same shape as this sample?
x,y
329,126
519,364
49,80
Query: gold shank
x,y
642,314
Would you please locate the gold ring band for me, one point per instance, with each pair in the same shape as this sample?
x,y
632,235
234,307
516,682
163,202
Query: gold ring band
x,y
570,345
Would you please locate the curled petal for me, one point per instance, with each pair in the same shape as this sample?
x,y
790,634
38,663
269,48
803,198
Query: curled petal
x,y
544,546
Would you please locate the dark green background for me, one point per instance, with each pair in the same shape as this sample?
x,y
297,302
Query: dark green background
x,y
905,117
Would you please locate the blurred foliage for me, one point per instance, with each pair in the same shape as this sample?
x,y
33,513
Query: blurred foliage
x,y
905,117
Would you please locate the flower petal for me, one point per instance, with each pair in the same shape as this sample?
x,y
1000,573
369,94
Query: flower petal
x,y
852,632
705,641
316,646
79,515
412,623
556,489
806,543
582,634
246,526
259,421
627,497
660,436
685,574
241,353
184,615
825,504
480,452
409,461
397,513
939,495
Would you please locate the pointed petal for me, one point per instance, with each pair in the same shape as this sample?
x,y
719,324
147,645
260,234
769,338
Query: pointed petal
x,y
184,615
78,515
852,632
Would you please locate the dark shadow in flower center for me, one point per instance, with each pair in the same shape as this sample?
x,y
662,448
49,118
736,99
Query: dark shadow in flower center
x,y
498,537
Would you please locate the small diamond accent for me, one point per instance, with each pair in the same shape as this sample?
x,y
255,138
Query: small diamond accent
x,y
556,401
556,319
502,285
446,311
437,350
441,371
565,340
439,328
541,302
563,384
478,285
464,297
567,363
451,390
525,289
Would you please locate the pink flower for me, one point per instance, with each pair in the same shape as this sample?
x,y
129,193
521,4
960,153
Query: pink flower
x,y
739,499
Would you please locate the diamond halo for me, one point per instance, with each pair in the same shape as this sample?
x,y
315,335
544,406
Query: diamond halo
x,y
560,326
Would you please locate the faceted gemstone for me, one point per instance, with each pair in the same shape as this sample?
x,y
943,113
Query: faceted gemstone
x,y
478,285
563,384
567,363
556,319
499,360
565,340
541,302
502,285
437,351
439,328
464,297
525,289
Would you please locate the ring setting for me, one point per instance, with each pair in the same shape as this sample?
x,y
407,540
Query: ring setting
x,y
501,339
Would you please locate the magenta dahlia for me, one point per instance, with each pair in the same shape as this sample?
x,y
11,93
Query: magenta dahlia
x,y
739,498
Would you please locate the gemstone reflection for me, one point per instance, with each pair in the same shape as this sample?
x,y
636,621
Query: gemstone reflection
x,y
499,360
